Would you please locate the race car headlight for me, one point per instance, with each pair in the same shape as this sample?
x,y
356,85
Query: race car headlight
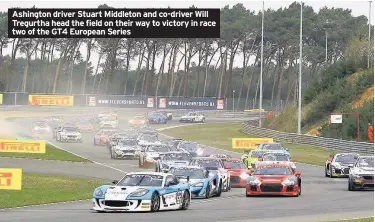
x,y
139,193
198,184
287,182
244,176
254,182
98,192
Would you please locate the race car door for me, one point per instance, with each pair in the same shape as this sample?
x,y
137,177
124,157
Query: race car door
x,y
172,195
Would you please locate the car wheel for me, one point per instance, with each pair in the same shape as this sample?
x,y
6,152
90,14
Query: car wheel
x,y
208,191
155,202
219,189
185,200
203,120
299,190
247,195
330,173
350,185
140,163
326,172
229,186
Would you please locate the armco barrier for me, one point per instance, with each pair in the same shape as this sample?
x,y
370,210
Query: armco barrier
x,y
329,143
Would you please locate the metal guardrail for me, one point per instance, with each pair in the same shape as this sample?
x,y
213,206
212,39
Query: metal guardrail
x,y
328,143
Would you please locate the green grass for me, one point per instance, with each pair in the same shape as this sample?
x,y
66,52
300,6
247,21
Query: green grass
x,y
52,153
220,135
369,219
42,189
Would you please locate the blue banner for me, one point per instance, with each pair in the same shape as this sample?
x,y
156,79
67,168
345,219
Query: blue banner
x,y
117,101
189,103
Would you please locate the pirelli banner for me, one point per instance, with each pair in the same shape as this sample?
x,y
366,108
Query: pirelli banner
x,y
51,100
10,179
22,146
249,143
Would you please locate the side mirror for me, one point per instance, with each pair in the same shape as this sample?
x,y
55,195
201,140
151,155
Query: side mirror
x,y
115,182
227,167
297,173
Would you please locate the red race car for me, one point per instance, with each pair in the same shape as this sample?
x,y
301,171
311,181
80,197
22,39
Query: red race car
x,y
101,138
238,172
274,179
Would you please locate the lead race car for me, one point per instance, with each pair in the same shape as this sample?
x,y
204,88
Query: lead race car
x,y
143,191
361,176
203,184
338,165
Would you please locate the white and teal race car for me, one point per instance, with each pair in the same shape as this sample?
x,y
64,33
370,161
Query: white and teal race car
x,y
142,191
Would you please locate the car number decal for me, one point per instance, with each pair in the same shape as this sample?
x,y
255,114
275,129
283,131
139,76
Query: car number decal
x,y
178,197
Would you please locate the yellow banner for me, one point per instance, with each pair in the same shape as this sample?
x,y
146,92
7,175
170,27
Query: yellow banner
x,y
10,179
22,146
1,99
51,100
249,143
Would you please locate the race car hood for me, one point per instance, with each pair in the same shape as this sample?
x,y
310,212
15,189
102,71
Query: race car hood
x,y
71,133
363,170
272,178
147,143
153,154
120,192
124,148
342,164
176,163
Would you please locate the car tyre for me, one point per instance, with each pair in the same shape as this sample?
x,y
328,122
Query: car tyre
x,y
326,172
219,189
208,190
330,171
203,120
185,200
350,185
155,202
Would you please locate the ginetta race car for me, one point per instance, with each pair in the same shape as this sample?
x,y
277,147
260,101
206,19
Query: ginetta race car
x,y
203,184
274,179
157,118
40,127
142,191
101,138
193,117
59,127
108,124
191,147
171,160
147,140
276,156
361,176
138,120
115,138
151,154
85,126
69,134
238,172
338,165
125,149
214,165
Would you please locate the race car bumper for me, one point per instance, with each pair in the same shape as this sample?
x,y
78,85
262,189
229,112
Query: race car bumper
x,y
103,205
271,190
340,172
363,182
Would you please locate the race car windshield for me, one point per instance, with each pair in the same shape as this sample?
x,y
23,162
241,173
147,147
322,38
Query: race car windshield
x,y
162,149
208,164
128,142
190,147
366,162
275,157
272,171
273,147
346,159
143,180
176,156
234,164
191,173
149,138
70,129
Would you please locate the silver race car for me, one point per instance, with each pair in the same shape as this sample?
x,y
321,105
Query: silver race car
x,y
171,160
338,165
125,149
361,176
151,154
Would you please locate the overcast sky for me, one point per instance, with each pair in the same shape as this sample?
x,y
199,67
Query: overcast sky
x,y
358,8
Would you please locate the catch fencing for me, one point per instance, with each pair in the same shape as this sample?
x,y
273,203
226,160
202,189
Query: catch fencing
x,y
328,143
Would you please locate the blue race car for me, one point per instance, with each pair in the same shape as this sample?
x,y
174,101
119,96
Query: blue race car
x,y
143,191
157,118
203,184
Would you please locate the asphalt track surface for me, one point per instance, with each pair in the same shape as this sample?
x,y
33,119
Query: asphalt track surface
x,y
322,198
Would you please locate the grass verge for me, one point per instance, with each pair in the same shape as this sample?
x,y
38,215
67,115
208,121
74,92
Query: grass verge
x,y
52,153
220,135
369,219
42,189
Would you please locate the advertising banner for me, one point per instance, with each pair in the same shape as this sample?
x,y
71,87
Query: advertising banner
x,y
22,146
150,102
220,104
51,100
1,99
191,103
117,101
162,103
249,143
10,179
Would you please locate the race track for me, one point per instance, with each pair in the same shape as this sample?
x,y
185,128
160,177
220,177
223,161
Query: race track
x,y
322,198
